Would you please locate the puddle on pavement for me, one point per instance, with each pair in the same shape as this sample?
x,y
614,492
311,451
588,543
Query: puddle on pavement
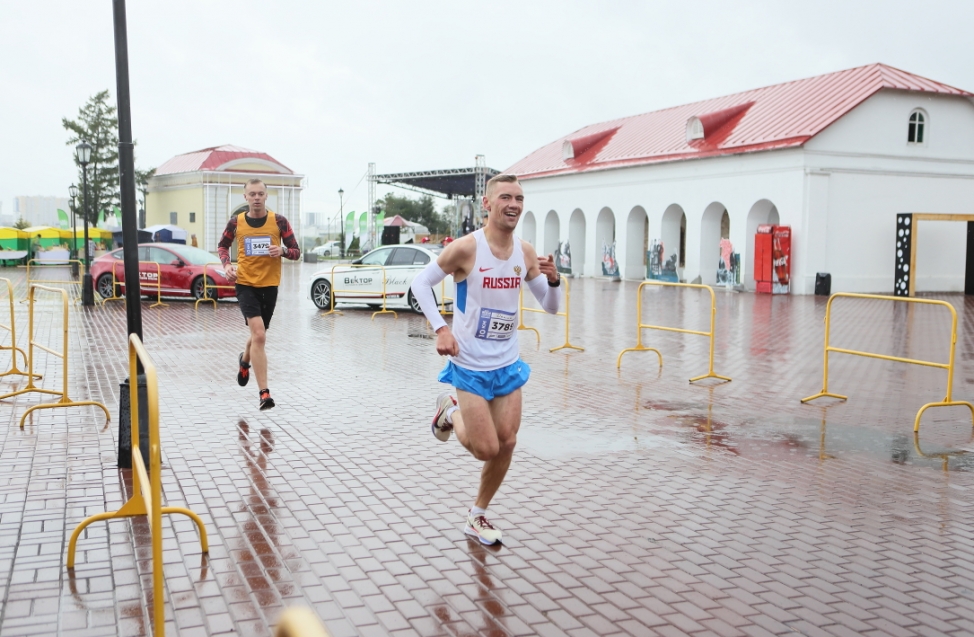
x,y
553,444
800,437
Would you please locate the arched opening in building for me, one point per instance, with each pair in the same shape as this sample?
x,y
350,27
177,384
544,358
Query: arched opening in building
x,y
712,227
637,243
673,235
552,233
605,237
576,241
762,212
529,228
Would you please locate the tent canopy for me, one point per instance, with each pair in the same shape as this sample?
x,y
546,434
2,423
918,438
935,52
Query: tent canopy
x,y
164,233
46,232
417,228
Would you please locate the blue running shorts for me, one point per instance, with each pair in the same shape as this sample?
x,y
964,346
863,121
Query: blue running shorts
x,y
487,385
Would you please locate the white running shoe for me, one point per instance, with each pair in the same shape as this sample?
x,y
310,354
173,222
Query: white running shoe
x,y
481,529
441,428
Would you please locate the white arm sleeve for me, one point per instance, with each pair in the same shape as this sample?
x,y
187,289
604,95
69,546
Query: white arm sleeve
x,y
422,288
549,297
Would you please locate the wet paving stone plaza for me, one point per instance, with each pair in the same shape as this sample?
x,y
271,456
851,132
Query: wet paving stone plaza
x,y
637,503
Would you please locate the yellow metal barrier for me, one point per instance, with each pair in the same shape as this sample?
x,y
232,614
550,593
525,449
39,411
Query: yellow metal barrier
x,y
207,286
444,298
60,264
64,401
146,485
142,284
12,328
359,293
566,314
949,366
300,622
944,456
640,327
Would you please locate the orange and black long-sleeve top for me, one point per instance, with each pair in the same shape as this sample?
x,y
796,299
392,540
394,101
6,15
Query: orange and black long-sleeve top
x,y
290,243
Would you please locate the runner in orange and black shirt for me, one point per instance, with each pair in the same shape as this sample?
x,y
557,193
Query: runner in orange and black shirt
x,y
263,238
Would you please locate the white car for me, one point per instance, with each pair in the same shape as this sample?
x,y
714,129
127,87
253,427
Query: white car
x,y
330,249
362,281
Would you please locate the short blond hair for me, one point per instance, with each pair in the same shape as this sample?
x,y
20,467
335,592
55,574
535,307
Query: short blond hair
x,y
502,178
254,180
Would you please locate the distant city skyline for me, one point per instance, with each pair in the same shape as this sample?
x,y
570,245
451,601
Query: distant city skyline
x,y
40,210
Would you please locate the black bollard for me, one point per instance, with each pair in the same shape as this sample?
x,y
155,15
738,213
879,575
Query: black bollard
x,y
125,424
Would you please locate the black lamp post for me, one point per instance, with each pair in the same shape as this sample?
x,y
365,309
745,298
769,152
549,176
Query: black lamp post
x,y
83,152
73,191
341,220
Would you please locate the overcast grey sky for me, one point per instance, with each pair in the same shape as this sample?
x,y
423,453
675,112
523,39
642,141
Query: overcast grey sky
x,y
326,87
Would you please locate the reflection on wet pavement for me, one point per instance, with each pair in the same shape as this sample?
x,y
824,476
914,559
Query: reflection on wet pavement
x,y
637,504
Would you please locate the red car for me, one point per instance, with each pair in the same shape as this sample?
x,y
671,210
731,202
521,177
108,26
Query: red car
x,y
180,266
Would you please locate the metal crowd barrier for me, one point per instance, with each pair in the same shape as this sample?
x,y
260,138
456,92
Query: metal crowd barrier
x,y
12,328
359,293
566,314
949,366
207,286
64,401
640,327
444,298
142,284
300,622
944,456
60,264
146,485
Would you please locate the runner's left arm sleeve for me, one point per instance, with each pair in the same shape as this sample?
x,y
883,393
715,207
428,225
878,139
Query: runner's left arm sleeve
x,y
548,296
289,244
422,288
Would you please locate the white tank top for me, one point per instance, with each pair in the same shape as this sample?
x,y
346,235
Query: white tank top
x,y
486,307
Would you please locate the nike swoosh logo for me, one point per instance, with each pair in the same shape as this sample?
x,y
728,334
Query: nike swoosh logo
x,y
485,269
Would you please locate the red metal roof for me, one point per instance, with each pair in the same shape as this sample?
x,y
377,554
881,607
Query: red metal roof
x,y
213,158
779,116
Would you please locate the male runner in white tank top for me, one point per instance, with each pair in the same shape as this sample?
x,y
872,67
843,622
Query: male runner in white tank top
x,y
488,266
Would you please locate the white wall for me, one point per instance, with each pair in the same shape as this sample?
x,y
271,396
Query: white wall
x,y
840,194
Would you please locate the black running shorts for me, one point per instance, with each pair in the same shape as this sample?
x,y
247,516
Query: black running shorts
x,y
257,302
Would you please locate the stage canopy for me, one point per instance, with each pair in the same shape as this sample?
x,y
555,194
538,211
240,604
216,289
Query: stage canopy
x,y
449,183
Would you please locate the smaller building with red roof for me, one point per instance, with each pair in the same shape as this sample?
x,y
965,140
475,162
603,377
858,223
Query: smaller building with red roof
x,y
200,190
835,157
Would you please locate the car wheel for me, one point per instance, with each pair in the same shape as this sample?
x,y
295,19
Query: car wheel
x,y
414,304
198,290
104,286
321,294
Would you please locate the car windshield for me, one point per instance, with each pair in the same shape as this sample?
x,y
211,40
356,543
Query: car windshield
x,y
193,256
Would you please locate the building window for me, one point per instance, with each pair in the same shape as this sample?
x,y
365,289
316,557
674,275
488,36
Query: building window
x,y
172,218
192,217
918,121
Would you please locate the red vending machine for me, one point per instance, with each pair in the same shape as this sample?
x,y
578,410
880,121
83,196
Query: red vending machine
x,y
772,259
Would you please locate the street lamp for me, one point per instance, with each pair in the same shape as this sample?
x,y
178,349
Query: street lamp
x,y
83,153
73,191
341,220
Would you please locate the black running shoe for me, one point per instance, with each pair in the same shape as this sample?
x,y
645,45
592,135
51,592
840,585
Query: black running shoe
x,y
243,373
266,402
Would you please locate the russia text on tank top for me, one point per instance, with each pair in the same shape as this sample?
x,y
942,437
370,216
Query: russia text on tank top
x,y
486,309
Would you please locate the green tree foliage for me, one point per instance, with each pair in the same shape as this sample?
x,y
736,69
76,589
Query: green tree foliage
x,y
97,124
416,210
21,223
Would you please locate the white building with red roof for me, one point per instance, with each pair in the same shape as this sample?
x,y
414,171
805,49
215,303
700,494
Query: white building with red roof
x,y
199,191
835,157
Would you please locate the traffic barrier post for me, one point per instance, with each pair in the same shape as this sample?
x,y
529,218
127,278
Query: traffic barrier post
x,y
64,400
299,621
566,314
949,365
142,284
640,326
146,484
207,287
12,328
359,293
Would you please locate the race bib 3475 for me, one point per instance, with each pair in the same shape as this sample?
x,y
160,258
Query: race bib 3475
x,y
257,246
